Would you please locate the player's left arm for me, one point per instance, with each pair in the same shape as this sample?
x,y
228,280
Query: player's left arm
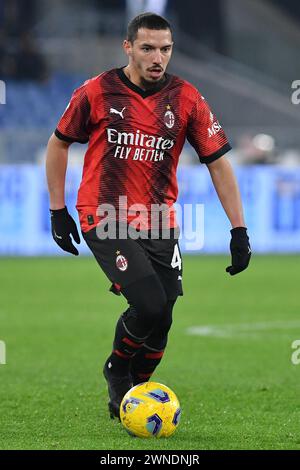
x,y
206,135
226,186
225,183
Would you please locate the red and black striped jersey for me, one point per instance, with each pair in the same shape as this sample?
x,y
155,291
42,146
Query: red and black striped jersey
x,y
135,138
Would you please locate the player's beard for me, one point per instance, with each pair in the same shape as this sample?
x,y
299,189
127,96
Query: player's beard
x,y
150,84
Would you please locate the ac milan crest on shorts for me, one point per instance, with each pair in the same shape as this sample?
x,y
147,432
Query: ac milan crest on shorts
x,y
125,261
121,262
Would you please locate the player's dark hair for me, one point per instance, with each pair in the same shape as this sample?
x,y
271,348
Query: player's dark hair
x,y
146,20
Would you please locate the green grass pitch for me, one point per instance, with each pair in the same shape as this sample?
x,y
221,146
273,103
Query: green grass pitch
x,y
236,383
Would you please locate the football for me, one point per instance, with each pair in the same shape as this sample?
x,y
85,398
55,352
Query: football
x,y
150,409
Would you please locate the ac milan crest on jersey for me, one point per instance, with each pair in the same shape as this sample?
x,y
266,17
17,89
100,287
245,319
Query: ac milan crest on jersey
x,y
121,262
169,118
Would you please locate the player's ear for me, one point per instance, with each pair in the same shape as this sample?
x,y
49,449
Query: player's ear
x,y
127,46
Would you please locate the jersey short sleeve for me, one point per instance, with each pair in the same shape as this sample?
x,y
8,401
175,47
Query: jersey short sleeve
x,y
74,123
204,132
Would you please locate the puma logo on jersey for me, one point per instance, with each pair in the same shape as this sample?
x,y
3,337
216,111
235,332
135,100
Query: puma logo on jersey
x,y
115,111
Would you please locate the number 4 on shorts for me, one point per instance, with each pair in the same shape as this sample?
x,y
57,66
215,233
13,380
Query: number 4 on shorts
x,y
176,260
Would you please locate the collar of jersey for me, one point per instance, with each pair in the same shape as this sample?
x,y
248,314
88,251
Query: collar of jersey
x,y
137,89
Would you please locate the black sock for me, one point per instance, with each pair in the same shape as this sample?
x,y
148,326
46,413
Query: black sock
x,y
144,364
125,347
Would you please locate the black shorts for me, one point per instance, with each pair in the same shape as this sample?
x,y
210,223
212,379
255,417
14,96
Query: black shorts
x,y
127,261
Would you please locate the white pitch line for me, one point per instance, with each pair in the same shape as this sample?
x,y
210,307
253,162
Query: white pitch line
x,y
227,331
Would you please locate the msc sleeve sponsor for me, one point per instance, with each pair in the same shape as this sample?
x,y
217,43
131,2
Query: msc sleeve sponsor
x,y
205,133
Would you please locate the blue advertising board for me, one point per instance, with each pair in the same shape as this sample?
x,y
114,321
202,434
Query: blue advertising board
x,y
271,199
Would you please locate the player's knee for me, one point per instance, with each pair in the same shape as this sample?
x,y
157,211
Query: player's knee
x,y
152,308
142,317
148,298
159,336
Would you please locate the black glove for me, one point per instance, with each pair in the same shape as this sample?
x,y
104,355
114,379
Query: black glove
x,y
240,250
62,225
